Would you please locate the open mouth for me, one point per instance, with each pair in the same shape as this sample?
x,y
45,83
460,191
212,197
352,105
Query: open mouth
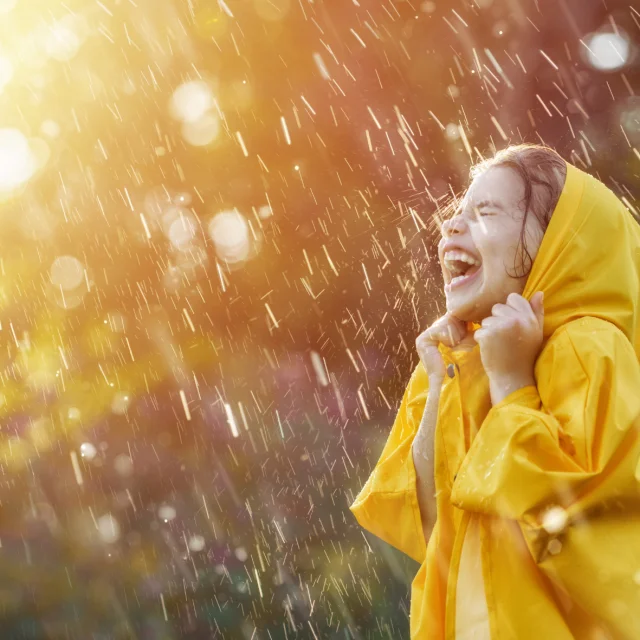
x,y
461,269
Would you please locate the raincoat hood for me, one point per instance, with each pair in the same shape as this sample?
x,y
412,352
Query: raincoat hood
x,y
590,237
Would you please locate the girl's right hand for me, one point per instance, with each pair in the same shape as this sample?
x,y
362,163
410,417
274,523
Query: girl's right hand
x,y
450,331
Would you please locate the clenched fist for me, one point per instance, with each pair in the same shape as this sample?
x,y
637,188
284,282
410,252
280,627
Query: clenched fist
x,y
448,330
510,340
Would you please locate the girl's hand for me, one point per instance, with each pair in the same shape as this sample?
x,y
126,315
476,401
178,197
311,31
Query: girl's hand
x,y
448,330
510,341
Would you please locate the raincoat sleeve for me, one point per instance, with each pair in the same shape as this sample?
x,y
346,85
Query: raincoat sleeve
x,y
387,505
560,460
570,441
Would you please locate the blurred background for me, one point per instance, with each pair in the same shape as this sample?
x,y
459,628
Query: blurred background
x,y
217,247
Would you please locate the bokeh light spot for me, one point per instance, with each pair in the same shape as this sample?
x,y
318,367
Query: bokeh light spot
x,y
66,272
166,512
123,465
7,5
230,234
182,231
196,543
17,162
203,131
63,39
608,51
108,529
191,101
88,450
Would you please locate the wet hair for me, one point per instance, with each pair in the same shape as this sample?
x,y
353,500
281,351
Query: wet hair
x,y
543,172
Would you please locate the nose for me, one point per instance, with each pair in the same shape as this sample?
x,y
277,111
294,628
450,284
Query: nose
x,y
452,226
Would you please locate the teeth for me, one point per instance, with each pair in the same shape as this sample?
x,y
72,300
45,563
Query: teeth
x,y
452,257
461,256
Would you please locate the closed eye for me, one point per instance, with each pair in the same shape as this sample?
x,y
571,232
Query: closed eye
x,y
477,213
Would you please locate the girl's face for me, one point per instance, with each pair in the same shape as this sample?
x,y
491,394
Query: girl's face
x,y
480,243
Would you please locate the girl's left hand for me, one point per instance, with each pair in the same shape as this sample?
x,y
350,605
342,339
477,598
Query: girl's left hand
x,y
510,341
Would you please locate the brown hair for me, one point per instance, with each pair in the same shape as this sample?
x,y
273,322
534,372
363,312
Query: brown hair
x,y
543,172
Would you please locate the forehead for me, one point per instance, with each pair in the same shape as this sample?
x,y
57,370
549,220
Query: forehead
x,y
499,185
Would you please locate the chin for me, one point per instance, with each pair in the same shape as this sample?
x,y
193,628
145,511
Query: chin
x,y
466,310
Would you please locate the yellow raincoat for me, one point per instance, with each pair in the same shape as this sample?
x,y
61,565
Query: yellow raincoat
x,y
542,488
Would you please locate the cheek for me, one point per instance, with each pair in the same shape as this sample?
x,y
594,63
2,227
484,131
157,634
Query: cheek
x,y
493,250
498,258
503,244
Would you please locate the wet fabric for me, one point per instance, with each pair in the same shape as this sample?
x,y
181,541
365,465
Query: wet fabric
x,y
549,475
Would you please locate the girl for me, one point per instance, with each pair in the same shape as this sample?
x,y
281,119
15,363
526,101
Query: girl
x,y
510,471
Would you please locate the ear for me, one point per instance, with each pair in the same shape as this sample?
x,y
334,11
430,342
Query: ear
x,y
537,306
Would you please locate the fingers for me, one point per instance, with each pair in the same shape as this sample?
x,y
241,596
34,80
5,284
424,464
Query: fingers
x,y
516,307
448,330
516,301
452,335
537,306
494,322
517,314
461,325
445,331
504,311
489,325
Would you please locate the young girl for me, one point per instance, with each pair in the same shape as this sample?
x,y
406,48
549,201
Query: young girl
x,y
510,473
